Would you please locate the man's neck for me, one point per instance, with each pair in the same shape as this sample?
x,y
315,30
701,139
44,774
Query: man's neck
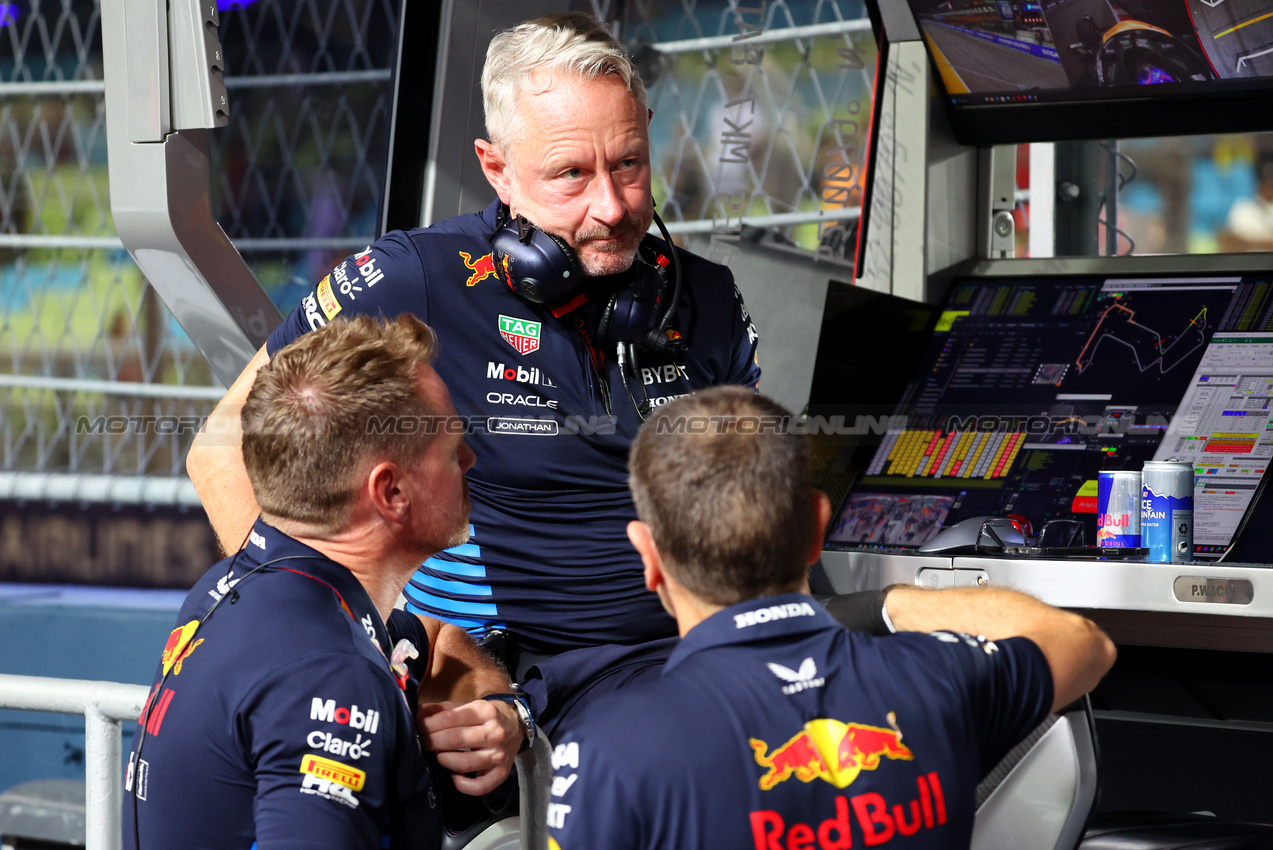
x,y
690,610
382,572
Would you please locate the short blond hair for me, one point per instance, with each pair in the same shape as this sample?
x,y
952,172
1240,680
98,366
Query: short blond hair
x,y
572,42
324,407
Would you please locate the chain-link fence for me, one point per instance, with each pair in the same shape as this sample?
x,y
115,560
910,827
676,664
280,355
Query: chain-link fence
x,y
761,114
95,376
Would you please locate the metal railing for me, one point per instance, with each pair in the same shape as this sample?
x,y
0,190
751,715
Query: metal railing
x,y
103,705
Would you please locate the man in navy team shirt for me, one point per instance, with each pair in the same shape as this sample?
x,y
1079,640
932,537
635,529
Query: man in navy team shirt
x,y
283,711
551,408
771,725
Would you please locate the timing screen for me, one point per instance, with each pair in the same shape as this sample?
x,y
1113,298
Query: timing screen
x,y
1013,51
1028,388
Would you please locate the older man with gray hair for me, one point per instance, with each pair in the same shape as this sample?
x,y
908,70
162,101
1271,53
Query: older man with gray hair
x,y
565,324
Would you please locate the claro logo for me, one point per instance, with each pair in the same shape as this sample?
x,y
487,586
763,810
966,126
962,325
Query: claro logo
x,y
327,711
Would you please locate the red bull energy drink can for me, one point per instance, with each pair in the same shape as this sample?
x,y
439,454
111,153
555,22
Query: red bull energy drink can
x,y
1118,508
1166,511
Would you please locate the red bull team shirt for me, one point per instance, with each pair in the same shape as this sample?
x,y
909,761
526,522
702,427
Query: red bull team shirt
x,y
550,422
277,722
772,726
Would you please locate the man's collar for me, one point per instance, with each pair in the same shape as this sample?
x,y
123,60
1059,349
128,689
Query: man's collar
x,y
268,546
755,620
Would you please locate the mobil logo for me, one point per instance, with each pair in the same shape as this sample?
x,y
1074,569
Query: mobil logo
x,y
520,374
353,717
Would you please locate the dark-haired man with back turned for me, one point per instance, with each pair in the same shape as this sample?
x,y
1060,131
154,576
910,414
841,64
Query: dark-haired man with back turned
x,y
771,725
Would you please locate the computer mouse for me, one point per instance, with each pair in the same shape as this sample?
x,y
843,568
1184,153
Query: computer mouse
x,y
966,536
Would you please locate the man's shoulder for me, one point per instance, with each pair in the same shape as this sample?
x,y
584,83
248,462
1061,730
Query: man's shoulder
x,y
656,705
270,609
474,228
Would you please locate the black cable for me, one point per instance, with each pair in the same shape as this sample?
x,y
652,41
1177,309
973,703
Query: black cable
x,y
1122,181
642,409
1131,243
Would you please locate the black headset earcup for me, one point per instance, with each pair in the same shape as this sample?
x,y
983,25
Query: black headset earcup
x,y
539,266
633,312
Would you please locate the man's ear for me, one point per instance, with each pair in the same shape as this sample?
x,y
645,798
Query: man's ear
x,y
821,516
656,577
384,486
494,166
643,542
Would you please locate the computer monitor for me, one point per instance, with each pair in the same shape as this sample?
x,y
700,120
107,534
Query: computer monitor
x,y
1028,387
1050,70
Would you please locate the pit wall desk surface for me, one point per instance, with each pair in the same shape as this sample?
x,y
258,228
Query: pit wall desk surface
x,y
1196,606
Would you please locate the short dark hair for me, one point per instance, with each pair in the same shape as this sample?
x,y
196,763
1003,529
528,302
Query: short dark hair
x,y
323,408
726,489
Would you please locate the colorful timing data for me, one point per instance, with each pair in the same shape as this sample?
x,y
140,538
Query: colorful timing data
x,y
1029,387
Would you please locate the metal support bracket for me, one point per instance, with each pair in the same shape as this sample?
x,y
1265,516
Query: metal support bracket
x,y
997,170
163,67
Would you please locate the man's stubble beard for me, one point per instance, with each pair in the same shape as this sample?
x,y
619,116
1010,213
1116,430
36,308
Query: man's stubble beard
x,y
608,260
460,535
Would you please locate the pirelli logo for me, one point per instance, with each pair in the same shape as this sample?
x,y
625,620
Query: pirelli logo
x,y
334,771
327,298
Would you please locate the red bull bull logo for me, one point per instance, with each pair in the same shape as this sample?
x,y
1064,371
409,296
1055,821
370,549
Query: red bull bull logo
x,y
830,750
481,270
179,647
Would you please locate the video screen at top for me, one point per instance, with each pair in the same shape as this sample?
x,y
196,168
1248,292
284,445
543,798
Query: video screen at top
x,y
1024,51
1029,387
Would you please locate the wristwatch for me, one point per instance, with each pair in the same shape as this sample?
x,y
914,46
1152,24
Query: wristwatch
x,y
522,705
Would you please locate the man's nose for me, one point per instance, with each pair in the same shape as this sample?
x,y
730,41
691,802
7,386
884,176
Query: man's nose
x,y
607,204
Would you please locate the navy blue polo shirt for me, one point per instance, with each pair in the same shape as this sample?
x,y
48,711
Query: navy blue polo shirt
x,y
277,722
773,726
549,557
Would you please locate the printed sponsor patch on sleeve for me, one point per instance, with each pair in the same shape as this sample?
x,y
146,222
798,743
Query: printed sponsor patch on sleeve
x,y
327,299
334,771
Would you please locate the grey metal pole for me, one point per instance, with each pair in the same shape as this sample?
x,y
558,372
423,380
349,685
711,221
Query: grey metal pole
x,y
103,752
1111,198
103,705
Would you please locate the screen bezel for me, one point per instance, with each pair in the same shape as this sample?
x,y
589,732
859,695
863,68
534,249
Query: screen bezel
x,y
1232,106
1109,117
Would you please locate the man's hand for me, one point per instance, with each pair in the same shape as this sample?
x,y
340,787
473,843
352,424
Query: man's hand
x,y
477,741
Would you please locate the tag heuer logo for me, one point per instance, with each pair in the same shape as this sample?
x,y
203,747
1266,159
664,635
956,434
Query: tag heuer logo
x,y
521,334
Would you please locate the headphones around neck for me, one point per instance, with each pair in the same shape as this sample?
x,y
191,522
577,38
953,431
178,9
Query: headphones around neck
x,y
543,269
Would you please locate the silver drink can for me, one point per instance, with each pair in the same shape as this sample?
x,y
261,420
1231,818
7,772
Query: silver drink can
x,y
1166,511
1118,508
